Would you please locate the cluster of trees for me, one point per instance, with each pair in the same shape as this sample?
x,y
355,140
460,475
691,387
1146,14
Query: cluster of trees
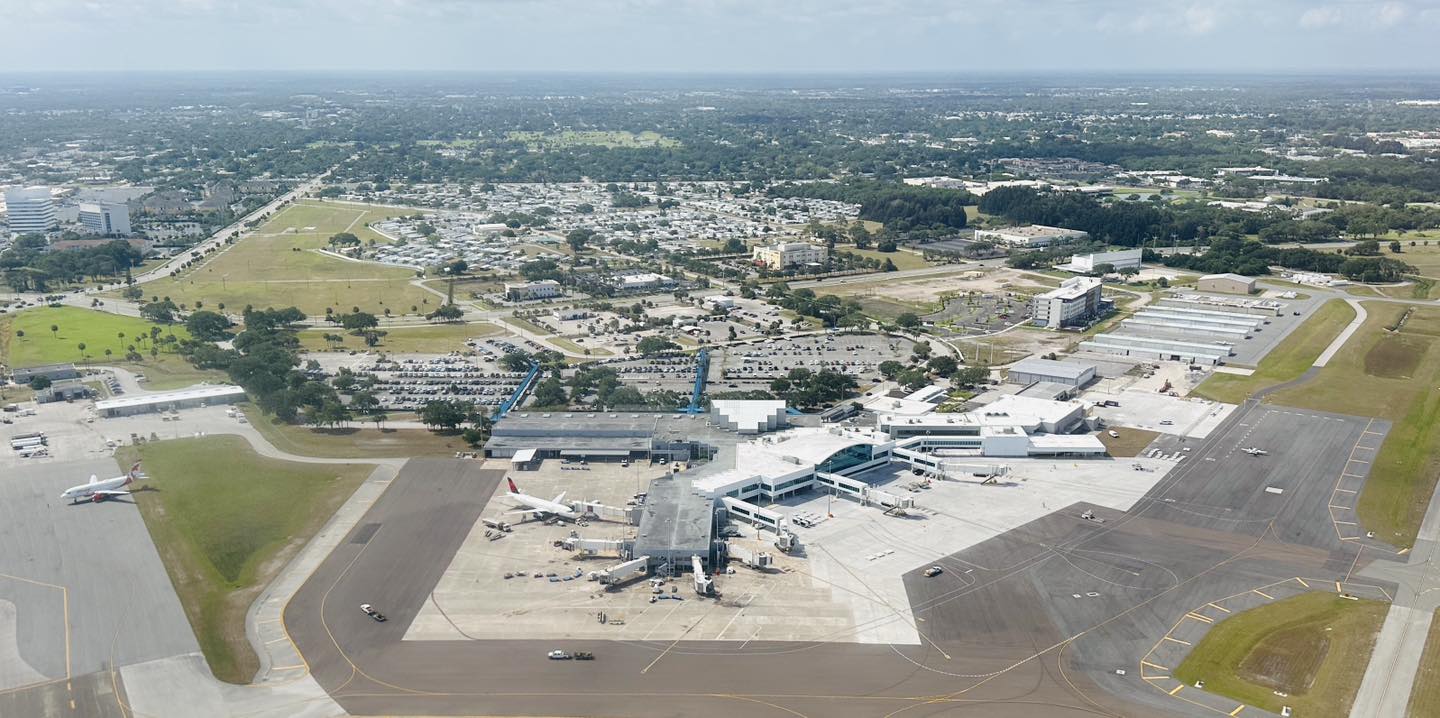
x,y
28,265
1232,254
923,368
831,310
808,389
899,206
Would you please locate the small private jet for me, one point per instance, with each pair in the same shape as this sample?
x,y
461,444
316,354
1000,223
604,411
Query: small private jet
x,y
1255,451
98,490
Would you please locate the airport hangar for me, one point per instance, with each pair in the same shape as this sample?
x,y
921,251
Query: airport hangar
x,y
680,512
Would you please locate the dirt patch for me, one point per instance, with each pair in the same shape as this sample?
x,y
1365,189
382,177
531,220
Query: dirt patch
x,y
1396,356
1287,661
1130,442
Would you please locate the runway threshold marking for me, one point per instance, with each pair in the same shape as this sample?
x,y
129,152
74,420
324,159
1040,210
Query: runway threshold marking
x,y
1218,606
1267,596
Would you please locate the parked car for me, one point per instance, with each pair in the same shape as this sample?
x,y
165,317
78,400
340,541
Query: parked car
x,y
558,655
933,571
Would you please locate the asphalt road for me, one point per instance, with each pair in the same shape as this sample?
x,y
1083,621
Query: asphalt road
x,y
1034,622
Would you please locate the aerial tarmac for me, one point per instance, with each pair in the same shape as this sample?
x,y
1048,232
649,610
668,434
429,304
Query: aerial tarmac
x,y
772,384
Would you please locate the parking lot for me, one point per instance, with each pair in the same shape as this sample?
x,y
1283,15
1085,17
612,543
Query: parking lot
x,y
408,384
982,313
754,365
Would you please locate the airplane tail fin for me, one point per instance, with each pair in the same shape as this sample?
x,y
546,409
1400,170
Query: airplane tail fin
x,y
511,481
135,472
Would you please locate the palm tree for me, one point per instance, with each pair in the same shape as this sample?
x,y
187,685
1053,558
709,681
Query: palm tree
x,y
54,328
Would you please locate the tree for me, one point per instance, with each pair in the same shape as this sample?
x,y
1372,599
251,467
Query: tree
x,y
515,361
473,437
913,379
356,321
448,312
40,382
908,320
444,414
921,350
363,402
54,329
550,393
942,365
344,239
655,344
161,312
577,238
890,368
889,266
969,376
886,245
378,418
209,326
1395,247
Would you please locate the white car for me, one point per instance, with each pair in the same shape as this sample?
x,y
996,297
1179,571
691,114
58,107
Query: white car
x,y
558,655
1113,434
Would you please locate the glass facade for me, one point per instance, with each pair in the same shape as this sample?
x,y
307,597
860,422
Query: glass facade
x,y
846,458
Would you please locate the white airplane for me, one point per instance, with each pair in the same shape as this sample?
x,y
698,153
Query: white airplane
x,y
1255,451
541,507
97,490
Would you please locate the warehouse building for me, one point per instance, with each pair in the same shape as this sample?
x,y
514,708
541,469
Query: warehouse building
x,y
1227,283
1076,302
1086,263
1030,237
170,400
53,372
1070,373
1153,349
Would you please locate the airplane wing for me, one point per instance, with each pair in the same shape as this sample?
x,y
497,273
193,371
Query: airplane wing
x,y
111,492
526,511
559,498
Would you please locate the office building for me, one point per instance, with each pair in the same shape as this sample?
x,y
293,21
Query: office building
x,y
789,254
105,218
1086,263
30,210
532,291
1075,302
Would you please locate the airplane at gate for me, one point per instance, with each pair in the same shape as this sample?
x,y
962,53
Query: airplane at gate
x,y
541,507
97,490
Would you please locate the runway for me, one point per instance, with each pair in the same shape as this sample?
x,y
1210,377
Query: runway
x,y
1033,622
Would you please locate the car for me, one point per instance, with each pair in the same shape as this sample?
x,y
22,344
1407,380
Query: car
x,y
1113,434
1166,422
371,612
558,655
584,656
933,571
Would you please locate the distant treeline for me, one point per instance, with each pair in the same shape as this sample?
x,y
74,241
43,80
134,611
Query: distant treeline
x,y
1254,258
900,207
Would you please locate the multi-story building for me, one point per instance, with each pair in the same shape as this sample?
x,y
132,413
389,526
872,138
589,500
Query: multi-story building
x,y
105,218
30,210
1076,301
531,291
790,254
1031,236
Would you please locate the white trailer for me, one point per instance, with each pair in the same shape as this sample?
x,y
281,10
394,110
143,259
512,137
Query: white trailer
x,y
18,444
627,571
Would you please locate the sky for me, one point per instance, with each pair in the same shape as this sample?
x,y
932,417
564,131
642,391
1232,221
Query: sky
x,y
722,36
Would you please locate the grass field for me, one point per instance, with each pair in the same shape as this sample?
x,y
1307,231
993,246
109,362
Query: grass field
x,y
903,260
1425,691
1315,647
225,520
278,267
1287,361
439,338
98,331
598,138
1392,375
1130,442
360,441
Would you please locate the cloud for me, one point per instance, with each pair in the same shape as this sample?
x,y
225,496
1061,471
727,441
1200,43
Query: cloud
x,y
1320,17
1392,13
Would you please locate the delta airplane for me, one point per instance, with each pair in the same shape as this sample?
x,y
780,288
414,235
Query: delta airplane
x,y
97,490
541,507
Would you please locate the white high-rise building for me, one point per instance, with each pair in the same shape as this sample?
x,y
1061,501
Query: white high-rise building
x,y
105,218
30,209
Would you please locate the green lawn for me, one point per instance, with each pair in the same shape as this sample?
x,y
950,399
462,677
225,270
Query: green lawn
x,y
903,260
1392,375
26,339
225,520
278,267
1287,361
439,338
570,345
1425,691
358,441
1314,646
